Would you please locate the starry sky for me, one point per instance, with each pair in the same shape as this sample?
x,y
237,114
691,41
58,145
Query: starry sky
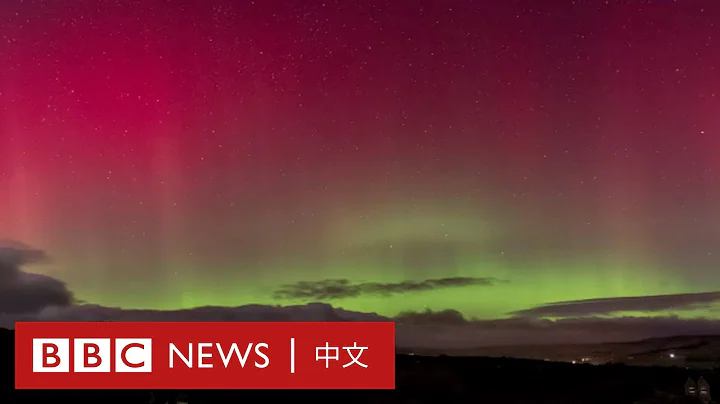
x,y
487,157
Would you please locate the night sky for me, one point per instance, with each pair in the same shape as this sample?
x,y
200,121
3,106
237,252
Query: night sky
x,y
486,157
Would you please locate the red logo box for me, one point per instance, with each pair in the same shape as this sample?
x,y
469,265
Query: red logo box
x,y
107,355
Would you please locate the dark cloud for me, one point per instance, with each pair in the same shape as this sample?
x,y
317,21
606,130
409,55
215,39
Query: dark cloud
x,y
647,304
32,297
432,318
450,330
14,255
22,292
342,288
442,330
312,312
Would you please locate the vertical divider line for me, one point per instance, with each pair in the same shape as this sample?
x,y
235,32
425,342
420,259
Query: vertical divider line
x,y
292,355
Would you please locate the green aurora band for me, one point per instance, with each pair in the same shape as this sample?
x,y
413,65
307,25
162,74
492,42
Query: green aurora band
x,y
368,252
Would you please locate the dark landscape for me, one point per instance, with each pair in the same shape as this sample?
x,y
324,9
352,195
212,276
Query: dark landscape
x,y
435,379
696,352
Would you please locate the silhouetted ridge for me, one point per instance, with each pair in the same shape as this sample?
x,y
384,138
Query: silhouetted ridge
x,y
433,379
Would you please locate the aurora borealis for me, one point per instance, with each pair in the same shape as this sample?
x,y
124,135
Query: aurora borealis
x,y
172,156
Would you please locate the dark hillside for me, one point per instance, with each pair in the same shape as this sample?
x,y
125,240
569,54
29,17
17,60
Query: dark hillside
x,y
433,380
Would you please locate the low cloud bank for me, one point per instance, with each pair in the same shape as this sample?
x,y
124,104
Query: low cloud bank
x,y
450,329
33,297
614,305
433,330
331,289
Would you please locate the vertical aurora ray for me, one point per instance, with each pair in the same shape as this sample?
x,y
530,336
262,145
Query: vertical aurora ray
x,y
168,203
23,213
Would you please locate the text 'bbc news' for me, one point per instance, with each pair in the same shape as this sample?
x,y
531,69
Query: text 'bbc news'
x,y
135,355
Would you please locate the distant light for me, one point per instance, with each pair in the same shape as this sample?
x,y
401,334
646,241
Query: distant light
x,y
573,362
672,355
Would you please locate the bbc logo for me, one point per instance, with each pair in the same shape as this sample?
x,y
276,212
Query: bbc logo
x,y
92,355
